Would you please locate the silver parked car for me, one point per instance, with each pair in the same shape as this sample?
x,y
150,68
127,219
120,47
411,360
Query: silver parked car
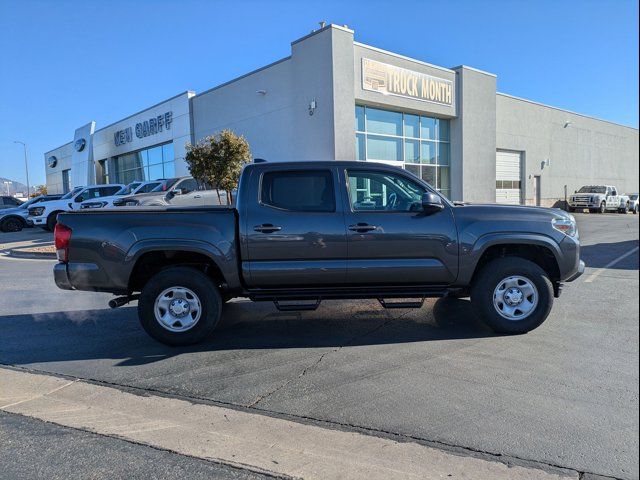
x,y
633,203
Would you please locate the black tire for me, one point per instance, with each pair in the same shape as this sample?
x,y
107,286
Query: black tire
x,y
52,219
603,207
183,277
11,224
571,209
492,275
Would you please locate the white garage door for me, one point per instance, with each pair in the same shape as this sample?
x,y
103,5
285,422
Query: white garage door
x,y
508,177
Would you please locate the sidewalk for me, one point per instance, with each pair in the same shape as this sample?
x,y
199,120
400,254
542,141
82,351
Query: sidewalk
x,y
249,441
28,243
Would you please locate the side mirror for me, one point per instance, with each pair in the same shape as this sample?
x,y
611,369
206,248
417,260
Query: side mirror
x,y
431,203
575,191
79,199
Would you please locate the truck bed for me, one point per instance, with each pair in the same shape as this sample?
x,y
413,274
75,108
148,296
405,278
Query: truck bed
x,y
107,245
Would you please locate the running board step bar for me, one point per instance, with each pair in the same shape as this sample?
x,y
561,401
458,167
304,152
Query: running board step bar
x,y
297,307
405,304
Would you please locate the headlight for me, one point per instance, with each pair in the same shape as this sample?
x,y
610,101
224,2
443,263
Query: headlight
x,y
93,205
131,203
36,212
566,225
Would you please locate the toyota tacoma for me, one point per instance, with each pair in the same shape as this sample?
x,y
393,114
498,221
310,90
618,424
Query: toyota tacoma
x,y
303,232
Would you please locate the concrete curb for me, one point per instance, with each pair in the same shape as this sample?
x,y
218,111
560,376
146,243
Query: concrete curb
x,y
32,255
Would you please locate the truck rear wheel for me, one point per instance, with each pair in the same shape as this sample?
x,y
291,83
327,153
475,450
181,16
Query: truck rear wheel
x,y
179,306
512,295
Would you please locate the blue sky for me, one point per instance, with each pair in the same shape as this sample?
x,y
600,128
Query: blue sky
x,y
65,63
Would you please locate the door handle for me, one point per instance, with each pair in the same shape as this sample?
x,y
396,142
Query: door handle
x,y
362,227
197,196
267,228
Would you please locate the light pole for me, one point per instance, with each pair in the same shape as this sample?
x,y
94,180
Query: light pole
x,y
7,183
26,166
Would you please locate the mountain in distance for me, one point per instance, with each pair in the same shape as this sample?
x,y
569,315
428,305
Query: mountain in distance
x,y
13,187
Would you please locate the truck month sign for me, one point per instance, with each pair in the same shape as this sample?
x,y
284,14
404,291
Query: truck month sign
x,y
391,80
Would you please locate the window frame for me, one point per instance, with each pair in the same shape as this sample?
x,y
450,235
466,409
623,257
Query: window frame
x,y
328,170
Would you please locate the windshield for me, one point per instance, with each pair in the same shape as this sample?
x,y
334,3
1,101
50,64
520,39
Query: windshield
x,y
30,202
128,189
592,189
633,197
71,194
166,185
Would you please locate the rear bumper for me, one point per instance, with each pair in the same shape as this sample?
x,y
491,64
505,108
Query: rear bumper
x,y
61,277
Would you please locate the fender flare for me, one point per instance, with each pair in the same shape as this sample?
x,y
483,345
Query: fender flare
x,y
472,256
143,247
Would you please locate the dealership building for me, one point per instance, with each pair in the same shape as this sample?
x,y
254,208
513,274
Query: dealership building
x,y
336,99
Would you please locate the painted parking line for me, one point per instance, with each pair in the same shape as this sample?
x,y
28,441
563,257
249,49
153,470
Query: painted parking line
x,y
597,273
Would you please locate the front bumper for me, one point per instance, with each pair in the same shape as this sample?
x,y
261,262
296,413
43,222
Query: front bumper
x,y
578,273
39,221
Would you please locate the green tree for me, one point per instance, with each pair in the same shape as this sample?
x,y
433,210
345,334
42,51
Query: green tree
x,y
39,190
218,160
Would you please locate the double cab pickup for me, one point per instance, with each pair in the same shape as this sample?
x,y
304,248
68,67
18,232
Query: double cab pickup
x,y
303,232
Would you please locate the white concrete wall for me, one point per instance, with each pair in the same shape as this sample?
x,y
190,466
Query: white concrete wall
x,y
588,151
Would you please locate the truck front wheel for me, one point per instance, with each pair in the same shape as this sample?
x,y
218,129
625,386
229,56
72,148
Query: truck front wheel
x,y
512,295
603,207
179,306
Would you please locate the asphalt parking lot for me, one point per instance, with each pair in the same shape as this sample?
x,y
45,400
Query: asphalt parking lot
x,y
564,395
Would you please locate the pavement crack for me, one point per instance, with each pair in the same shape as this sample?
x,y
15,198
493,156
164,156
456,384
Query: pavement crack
x,y
311,366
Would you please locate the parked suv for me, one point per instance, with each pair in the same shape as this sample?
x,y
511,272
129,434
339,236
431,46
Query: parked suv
x,y
184,191
133,188
15,219
45,214
633,203
9,202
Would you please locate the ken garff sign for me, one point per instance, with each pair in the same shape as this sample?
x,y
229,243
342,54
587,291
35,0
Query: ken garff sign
x,y
391,80
145,128
80,144
52,161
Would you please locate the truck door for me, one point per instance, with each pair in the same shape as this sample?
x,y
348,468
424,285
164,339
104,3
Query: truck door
x,y
391,240
294,228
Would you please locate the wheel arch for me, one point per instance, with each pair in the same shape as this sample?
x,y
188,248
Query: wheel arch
x,y
147,261
539,249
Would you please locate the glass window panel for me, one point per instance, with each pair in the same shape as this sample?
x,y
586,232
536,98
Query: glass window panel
x,y
384,148
359,118
155,171
384,192
384,121
444,181
169,169
443,130
428,128
360,147
415,169
411,125
167,152
428,153
446,193
429,175
144,158
516,184
301,191
412,151
155,155
443,153
498,184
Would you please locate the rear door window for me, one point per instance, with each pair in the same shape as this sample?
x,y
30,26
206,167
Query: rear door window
x,y
299,190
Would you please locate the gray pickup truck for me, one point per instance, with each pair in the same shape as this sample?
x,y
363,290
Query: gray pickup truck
x,y
301,233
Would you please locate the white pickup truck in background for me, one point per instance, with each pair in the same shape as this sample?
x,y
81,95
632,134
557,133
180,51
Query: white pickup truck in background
x,y
599,199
